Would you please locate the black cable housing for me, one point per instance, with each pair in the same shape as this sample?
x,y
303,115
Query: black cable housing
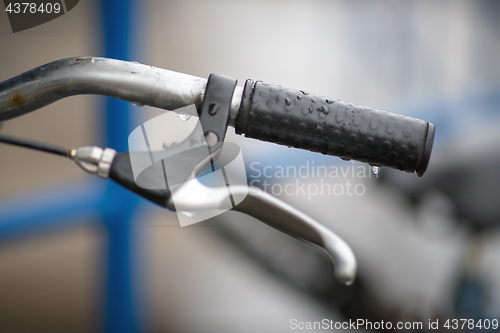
x,y
37,145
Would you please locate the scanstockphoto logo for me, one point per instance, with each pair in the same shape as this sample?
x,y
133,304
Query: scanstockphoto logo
x,y
172,167
26,15
310,180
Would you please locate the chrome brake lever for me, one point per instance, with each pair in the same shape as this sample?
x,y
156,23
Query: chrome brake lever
x,y
193,196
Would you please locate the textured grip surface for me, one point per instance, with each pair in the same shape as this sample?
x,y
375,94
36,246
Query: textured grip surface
x,y
298,119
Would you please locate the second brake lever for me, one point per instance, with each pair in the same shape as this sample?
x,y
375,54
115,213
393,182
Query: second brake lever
x,y
168,178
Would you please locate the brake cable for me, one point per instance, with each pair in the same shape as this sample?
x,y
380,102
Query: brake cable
x,y
36,145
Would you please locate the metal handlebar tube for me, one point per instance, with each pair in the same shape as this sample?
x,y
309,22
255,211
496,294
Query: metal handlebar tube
x,y
137,83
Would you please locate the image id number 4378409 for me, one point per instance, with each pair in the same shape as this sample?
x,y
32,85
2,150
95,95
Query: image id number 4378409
x,y
33,8
485,324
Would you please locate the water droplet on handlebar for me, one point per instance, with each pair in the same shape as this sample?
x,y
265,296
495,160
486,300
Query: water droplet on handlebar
x,y
137,104
188,214
375,169
184,117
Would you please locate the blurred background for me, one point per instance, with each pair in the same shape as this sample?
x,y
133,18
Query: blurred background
x,y
427,247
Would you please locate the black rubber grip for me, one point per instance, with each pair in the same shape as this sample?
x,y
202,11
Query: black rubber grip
x,y
298,119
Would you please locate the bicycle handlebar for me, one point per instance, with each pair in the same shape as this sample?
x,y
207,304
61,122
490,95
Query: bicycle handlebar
x,y
261,111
